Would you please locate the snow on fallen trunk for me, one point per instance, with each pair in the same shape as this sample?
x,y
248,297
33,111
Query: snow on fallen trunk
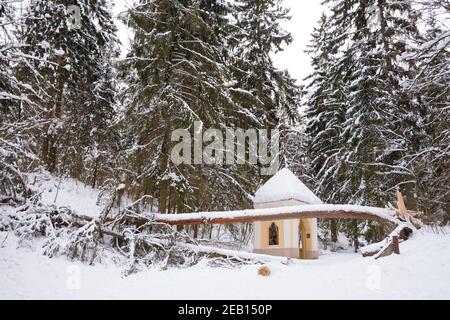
x,y
292,212
373,248
386,246
233,254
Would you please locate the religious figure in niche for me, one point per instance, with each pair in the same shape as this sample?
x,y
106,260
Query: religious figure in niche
x,y
273,234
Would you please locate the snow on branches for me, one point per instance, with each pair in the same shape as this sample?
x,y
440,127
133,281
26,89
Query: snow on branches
x,y
126,236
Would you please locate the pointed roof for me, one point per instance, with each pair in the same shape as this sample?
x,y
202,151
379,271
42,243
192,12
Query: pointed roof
x,y
284,185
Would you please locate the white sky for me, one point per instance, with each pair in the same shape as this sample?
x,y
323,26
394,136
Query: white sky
x,y
305,14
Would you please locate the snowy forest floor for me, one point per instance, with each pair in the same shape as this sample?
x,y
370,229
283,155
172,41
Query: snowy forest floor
x,y
421,271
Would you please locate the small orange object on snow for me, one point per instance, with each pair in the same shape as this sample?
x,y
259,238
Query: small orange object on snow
x,y
264,271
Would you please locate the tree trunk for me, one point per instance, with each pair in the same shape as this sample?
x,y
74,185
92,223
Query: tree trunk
x,y
163,166
334,230
180,208
94,176
196,231
50,147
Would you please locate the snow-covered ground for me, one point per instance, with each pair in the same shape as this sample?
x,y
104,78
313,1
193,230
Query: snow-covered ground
x,y
68,193
422,270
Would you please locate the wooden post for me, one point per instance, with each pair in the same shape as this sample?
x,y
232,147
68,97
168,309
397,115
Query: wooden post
x,y
395,245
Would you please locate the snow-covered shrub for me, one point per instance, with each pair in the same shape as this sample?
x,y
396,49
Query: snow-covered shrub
x,y
28,222
6,221
156,245
12,184
172,253
78,244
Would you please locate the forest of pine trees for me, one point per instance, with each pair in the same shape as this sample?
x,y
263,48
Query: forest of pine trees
x,y
370,121
373,117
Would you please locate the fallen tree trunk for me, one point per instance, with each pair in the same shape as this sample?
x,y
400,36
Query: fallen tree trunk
x,y
384,216
402,227
386,247
381,215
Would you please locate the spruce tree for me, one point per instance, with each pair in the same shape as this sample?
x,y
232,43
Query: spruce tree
x,y
176,75
355,134
325,114
187,64
74,86
15,118
271,96
427,156
258,34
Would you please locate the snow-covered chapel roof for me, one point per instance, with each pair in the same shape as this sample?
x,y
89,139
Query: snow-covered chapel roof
x,y
284,185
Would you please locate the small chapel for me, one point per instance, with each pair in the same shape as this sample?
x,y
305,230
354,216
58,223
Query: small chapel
x,y
294,238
